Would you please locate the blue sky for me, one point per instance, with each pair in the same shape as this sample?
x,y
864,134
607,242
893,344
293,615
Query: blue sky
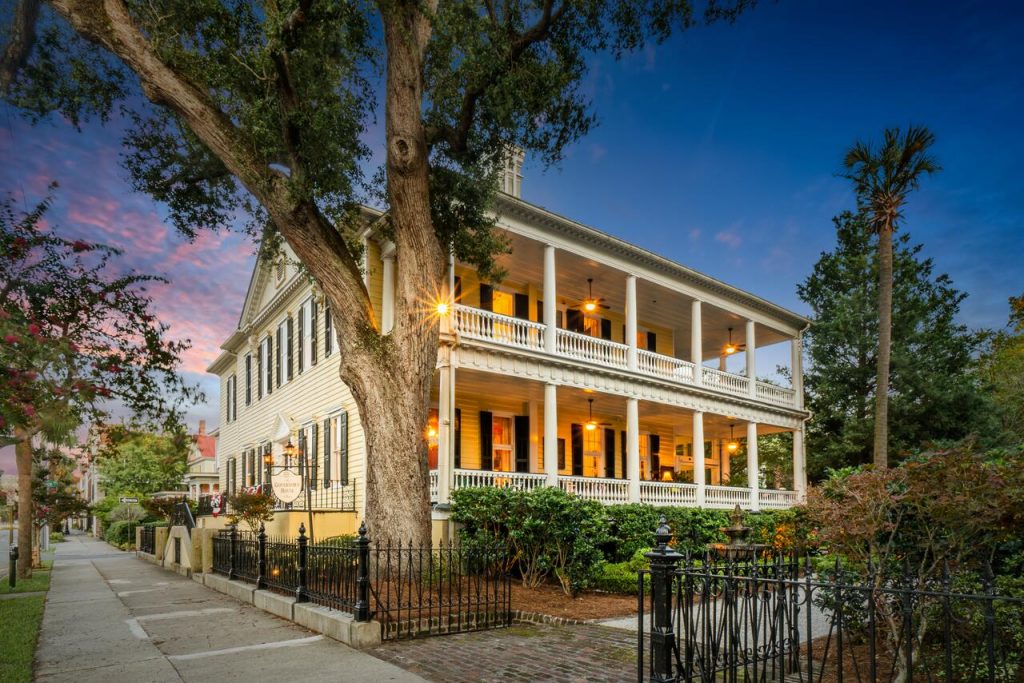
x,y
718,149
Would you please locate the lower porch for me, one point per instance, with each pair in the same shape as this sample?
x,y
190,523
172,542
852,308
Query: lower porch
x,y
494,430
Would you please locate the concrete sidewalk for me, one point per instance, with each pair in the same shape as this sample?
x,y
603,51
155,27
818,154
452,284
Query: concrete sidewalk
x,y
111,617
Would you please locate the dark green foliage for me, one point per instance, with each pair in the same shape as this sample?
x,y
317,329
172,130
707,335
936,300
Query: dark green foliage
x,y
622,577
934,393
631,529
121,533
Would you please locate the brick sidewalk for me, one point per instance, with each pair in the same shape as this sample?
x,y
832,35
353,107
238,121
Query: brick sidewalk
x,y
524,652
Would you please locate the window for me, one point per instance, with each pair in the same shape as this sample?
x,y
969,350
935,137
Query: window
x,y
266,373
336,447
284,351
503,453
230,400
503,303
329,340
593,452
248,379
307,334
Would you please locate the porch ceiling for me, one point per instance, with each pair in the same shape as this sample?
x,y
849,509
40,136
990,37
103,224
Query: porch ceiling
x,y
607,408
656,305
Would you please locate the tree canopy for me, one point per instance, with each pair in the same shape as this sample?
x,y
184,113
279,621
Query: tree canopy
x,y
140,464
934,392
1001,367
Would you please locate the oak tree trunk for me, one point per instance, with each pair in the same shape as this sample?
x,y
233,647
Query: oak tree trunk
x,y
881,458
23,457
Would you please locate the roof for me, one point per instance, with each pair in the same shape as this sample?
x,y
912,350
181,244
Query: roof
x,y
206,445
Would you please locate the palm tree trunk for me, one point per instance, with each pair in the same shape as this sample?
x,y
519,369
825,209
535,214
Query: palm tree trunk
x,y
884,346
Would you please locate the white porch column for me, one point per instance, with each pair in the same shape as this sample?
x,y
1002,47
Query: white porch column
x,y
698,458
631,322
796,365
445,440
550,306
752,466
633,448
551,432
387,316
696,344
799,465
751,354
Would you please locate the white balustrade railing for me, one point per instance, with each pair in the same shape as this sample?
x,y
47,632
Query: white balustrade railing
x,y
771,499
607,491
433,486
655,364
592,349
517,480
725,381
668,493
475,323
774,393
726,497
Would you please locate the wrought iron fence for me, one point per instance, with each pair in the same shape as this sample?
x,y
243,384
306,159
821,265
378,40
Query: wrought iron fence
x,y
780,619
181,515
205,506
438,590
147,540
411,591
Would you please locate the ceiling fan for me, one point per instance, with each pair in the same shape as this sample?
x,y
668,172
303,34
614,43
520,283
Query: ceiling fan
x,y
731,348
591,303
593,424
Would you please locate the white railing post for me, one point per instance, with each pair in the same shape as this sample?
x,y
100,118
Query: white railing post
x,y
387,316
698,458
631,322
753,469
549,299
551,433
751,354
696,352
633,448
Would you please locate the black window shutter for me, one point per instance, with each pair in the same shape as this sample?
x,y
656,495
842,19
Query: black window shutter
x,y
457,294
540,312
486,297
522,443
328,331
343,449
655,449
259,375
248,379
609,453
522,306
245,456
573,320
234,398
652,341
280,340
622,455
577,449
315,457
458,438
259,465
561,454
302,337
270,365
312,332
486,440
606,328
327,453
289,350
558,319
302,456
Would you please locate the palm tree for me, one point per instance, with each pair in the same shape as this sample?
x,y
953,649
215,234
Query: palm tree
x,y
883,178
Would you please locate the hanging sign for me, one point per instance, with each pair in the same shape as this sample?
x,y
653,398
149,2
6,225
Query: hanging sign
x,y
287,485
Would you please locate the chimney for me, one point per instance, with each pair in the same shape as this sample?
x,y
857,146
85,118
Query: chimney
x,y
202,428
511,174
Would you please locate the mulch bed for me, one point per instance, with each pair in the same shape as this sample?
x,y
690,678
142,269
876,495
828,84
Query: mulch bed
x,y
552,601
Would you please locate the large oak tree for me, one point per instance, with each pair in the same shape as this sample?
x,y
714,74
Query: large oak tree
x,y
266,105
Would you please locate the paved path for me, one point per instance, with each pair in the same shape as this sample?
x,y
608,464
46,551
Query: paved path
x,y
111,617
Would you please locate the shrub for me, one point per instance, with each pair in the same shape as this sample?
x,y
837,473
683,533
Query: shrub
x,y
631,529
621,577
694,529
121,532
127,512
341,541
251,507
56,537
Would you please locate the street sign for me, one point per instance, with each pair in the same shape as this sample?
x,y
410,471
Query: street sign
x,y
287,485
127,499
51,484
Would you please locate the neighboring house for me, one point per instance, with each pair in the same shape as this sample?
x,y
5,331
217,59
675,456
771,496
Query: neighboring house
x,y
596,366
89,484
202,478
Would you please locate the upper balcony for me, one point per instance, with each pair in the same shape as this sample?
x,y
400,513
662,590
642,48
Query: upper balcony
x,y
588,298
486,326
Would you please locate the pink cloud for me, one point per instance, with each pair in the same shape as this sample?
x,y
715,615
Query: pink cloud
x,y
729,237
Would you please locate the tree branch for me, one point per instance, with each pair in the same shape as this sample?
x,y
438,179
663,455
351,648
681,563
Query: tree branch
x,y
22,37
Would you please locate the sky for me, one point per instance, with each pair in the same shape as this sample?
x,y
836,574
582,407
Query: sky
x,y
719,149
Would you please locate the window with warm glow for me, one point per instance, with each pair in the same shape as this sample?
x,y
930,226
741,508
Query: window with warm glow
x,y
501,444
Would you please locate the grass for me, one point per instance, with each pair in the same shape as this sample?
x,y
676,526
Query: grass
x,y
40,581
19,630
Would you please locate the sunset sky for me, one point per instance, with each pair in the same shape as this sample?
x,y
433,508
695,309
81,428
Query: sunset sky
x,y
718,149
